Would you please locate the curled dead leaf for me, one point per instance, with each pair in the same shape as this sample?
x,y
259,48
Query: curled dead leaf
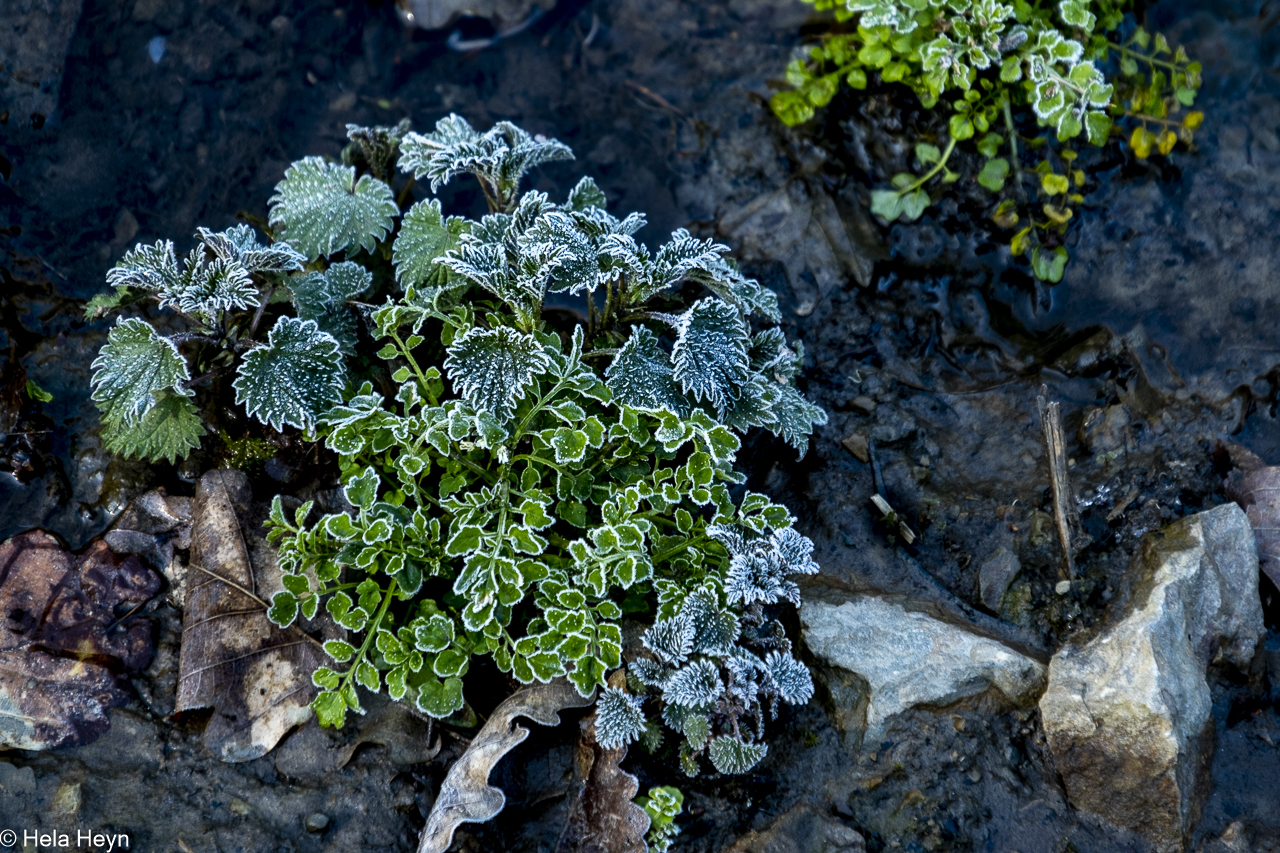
x,y
255,676
604,819
68,636
466,795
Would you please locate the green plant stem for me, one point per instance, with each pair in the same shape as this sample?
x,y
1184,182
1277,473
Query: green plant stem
x,y
1142,56
927,176
413,362
1014,157
663,556
371,632
531,458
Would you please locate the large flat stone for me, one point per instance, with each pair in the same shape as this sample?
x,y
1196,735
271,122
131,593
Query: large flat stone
x,y
1127,713
908,659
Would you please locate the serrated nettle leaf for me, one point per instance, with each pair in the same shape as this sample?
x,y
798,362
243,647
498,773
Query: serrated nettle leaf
x,y
641,375
425,236
324,209
495,368
294,378
153,268
710,353
169,430
585,195
239,244
132,367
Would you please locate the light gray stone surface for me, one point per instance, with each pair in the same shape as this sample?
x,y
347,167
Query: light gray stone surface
x,y
1126,714
910,659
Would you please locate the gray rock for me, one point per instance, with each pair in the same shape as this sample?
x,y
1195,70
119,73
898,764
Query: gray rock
x,y
995,575
317,822
1126,713
910,659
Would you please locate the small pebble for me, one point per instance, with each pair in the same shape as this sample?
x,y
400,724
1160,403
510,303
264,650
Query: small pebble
x,y
155,49
1063,587
317,822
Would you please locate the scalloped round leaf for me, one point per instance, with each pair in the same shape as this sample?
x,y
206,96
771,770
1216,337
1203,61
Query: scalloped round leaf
x,y
294,378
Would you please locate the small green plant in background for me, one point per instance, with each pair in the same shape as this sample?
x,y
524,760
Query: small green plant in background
x,y
663,805
995,68
528,486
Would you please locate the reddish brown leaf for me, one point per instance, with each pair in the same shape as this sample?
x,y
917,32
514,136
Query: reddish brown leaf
x,y
67,638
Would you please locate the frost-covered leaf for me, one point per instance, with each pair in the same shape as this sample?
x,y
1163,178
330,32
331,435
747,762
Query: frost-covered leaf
x,y
493,369
169,430
753,406
294,378
325,210
760,566
322,296
746,294
135,363
730,755
715,628
154,268
796,418
499,157
789,677
619,720
695,685
554,250
710,352
425,235
670,639
676,259
240,244
640,375
586,195
207,286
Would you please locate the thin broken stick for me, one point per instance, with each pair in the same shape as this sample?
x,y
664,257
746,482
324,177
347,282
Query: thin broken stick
x,y
1064,508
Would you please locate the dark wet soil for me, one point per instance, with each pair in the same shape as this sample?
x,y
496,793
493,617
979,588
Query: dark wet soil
x,y
921,340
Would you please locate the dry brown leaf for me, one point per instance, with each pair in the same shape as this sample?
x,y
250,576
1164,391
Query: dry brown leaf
x,y
604,819
466,795
67,637
1257,492
406,736
255,676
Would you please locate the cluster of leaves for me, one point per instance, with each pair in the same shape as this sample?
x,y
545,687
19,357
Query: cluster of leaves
x,y
527,486
995,67
663,805
143,380
713,669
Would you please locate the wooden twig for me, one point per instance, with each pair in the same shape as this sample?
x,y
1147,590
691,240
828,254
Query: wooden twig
x,y
1064,505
